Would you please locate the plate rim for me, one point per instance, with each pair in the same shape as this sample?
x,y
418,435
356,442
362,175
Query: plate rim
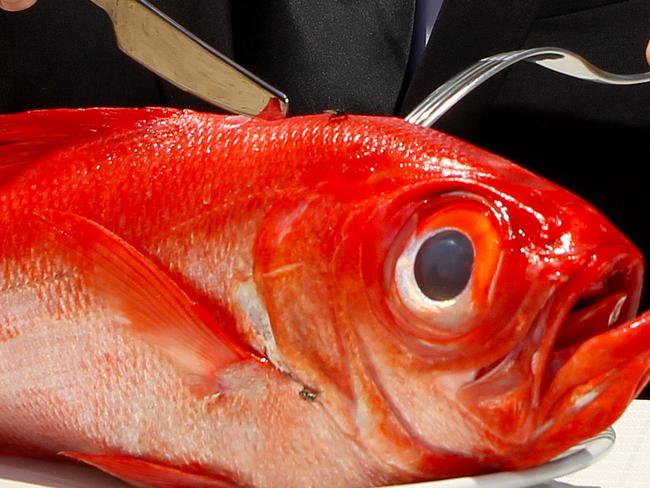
x,y
574,459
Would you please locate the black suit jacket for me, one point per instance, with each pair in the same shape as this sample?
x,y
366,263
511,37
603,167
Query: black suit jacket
x,y
352,55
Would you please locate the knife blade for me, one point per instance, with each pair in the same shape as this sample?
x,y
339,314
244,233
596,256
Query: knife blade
x,y
166,48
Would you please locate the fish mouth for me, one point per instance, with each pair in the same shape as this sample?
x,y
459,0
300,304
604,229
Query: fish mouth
x,y
595,305
595,355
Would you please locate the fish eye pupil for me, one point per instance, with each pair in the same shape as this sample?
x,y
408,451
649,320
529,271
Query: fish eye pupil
x,y
443,265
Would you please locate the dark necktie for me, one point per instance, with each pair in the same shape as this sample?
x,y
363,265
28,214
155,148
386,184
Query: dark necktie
x,y
426,13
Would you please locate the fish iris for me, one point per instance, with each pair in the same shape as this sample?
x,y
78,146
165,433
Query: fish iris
x,y
443,265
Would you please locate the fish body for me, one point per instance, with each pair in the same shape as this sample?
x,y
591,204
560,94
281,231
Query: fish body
x,y
199,300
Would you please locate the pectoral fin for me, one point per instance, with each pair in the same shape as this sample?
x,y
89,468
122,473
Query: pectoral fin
x,y
147,473
153,304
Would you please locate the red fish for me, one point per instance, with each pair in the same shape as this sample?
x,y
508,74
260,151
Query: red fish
x,y
197,300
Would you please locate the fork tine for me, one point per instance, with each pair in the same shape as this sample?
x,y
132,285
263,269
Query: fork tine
x,y
556,59
422,110
451,93
425,113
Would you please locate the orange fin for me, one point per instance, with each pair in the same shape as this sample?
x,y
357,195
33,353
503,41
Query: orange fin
x,y
157,309
157,475
27,136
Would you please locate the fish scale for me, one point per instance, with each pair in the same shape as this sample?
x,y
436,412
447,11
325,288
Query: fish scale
x,y
197,300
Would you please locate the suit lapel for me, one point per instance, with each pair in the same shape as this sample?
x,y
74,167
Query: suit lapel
x,y
465,32
349,55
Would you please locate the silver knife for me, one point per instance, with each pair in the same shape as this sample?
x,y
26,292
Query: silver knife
x,y
163,46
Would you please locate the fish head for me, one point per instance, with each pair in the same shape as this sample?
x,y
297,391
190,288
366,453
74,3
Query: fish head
x,y
455,313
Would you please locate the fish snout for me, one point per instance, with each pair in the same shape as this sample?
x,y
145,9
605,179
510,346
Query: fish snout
x,y
595,354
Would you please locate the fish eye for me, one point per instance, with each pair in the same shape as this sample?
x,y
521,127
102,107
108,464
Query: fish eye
x,y
443,265
440,269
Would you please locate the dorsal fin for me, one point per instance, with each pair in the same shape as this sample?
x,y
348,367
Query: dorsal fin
x,y
26,137
156,308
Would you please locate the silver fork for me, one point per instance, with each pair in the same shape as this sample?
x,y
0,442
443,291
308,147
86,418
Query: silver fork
x,y
556,59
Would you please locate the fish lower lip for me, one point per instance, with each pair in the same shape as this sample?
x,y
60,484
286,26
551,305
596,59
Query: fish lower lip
x,y
581,412
591,387
604,354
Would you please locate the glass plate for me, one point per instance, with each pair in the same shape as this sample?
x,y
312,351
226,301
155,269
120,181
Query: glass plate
x,y
572,460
